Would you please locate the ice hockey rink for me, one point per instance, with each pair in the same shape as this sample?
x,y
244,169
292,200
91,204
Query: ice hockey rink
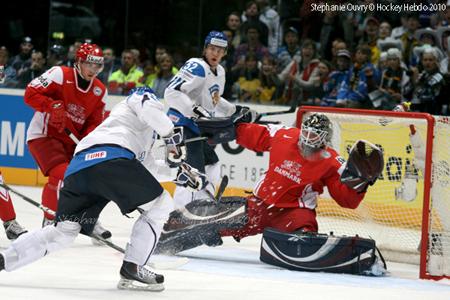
x,y
232,271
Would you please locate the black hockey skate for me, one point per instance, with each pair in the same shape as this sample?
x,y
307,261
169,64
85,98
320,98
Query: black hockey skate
x,y
13,229
134,277
199,223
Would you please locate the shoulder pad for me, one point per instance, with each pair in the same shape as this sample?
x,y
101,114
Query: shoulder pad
x,y
194,67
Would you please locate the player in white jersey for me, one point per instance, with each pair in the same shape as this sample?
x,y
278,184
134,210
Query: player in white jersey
x,y
195,92
108,165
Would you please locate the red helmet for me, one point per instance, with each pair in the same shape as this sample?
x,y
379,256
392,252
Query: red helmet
x,y
90,53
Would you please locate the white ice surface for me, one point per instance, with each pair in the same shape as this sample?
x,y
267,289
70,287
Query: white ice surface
x,y
232,271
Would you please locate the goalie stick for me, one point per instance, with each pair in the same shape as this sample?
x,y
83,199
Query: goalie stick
x,y
156,265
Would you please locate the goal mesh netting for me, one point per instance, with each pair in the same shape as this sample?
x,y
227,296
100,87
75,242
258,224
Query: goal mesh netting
x,y
392,210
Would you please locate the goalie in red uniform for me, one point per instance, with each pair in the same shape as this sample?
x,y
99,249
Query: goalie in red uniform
x,y
64,98
7,214
301,164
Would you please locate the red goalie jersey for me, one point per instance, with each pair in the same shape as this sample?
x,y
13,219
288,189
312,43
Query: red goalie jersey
x,y
85,107
292,180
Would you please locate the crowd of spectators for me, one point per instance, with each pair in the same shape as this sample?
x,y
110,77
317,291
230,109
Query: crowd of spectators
x,y
344,59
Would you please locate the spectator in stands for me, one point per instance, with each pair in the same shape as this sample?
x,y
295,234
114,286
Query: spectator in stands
x,y
7,72
160,52
363,78
35,70
163,76
428,96
56,56
271,87
127,77
149,70
318,91
111,64
290,51
233,24
137,58
248,83
300,77
370,37
227,63
384,31
426,37
70,61
395,86
22,61
252,45
336,78
270,17
408,38
337,45
250,17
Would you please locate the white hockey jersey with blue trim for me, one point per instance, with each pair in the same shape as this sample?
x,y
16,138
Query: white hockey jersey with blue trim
x,y
196,84
132,124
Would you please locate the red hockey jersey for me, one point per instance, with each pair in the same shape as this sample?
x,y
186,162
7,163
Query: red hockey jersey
x,y
291,180
85,108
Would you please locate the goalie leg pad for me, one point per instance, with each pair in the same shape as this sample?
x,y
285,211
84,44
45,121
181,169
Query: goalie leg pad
x,y
320,252
199,223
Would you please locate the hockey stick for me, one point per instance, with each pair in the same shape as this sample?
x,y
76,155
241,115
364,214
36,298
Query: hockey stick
x,y
273,113
222,187
71,135
28,199
220,190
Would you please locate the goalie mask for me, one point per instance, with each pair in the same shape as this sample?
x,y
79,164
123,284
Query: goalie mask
x,y
315,134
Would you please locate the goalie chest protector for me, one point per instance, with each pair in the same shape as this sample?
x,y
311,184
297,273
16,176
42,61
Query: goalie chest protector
x,y
318,252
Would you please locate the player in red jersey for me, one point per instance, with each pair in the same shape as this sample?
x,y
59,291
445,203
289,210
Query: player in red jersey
x,y
301,164
64,98
7,214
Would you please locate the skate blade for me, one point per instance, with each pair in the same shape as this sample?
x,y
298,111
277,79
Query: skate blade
x,y
127,284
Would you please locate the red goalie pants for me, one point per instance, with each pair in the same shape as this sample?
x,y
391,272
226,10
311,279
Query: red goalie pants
x,y
7,212
53,157
261,216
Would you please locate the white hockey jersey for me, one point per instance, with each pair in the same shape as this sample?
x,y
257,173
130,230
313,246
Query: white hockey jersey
x,y
196,84
132,124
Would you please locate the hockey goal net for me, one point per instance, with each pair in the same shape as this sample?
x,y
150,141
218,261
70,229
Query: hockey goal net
x,y
407,211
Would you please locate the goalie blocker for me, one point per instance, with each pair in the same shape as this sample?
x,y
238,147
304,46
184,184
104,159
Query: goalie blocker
x,y
306,251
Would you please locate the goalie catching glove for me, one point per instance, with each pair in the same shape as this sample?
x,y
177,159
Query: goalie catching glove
x,y
175,148
190,178
364,166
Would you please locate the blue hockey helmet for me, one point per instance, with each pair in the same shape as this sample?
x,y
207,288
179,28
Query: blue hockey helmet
x,y
216,38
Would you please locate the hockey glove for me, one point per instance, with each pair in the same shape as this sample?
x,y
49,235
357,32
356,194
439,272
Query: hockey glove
x,y
190,178
364,166
175,148
244,114
58,115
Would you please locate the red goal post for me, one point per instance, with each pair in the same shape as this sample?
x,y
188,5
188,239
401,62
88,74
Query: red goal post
x,y
407,211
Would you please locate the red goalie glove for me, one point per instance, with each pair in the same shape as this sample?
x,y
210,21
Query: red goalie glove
x,y
364,166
